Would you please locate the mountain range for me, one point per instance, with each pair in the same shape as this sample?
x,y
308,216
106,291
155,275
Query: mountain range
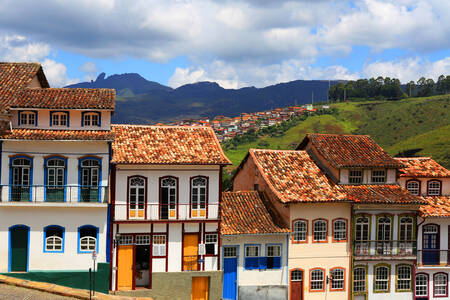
x,y
141,101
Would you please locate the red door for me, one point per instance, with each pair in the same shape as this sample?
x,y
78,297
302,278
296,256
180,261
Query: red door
x,y
296,285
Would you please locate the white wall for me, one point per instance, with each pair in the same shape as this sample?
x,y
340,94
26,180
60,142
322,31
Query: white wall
x,y
74,120
258,277
423,184
184,173
431,273
367,176
39,217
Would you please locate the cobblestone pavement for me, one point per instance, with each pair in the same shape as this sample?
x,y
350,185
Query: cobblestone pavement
x,y
9,292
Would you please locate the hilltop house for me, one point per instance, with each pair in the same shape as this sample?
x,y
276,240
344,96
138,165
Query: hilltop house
x,y
166,191
54,171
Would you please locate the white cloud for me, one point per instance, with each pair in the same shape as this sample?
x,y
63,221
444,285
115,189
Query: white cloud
x,y
91,70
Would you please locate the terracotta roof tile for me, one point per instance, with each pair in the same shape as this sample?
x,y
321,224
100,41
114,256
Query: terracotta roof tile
x,y
57,135
167,145
248,213
389,194
438,206
422,167
294,177
349,150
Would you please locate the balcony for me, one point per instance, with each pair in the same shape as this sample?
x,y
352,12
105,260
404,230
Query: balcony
x,y
25,195
165,212
433,258
382,249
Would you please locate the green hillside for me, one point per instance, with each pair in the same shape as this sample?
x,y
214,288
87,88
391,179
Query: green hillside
x,y
418,126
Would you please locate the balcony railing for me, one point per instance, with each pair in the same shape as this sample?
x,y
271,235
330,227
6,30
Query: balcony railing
x,y
51,193
384,248
433,257
156,211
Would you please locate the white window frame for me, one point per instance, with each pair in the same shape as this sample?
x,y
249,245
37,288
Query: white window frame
x,y
357,278
60,119
422,284
340,281
297,235
382,280
314,280
376,176
159,243
28,118
433,190
355,178
322,232
440,285
402,278
88,119
212,238
247,247
340,234
90,244
415,190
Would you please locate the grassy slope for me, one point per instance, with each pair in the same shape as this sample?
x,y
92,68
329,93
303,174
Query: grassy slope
x,y
396,126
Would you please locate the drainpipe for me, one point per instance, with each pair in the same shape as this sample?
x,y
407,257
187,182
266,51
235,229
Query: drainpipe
x,y
351,264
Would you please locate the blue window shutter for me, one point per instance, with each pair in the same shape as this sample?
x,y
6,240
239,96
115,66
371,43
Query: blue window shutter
x,y
262,263
251,263
277,262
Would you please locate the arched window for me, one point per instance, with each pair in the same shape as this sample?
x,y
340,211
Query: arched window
x,y
406,234
384,230
339,230
168,202
87,239
434,188
90,179
316,281
421,285
440,285
199,196
359,280
54,238
299,231
362,235
382,274
337,279
55,179
21,170
404,276
320,231
413,186
59,118
136,197
91,119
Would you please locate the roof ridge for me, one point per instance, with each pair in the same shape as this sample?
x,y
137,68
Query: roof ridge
x,y
337,134
159,126
415,157
277,150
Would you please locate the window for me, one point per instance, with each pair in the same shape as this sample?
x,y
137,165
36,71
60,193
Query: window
x,y
382,274
337,279
273,256
403,278
21,169
59,118
87,239
211,244
440,285
339,230
90,179
251,257
359,279
319,230
126,240
355,176
378,176
406,235
159,245
142,240
229,251
362,235
53,239
199,197
300,231
421,285
413,186
55,172
136,197
91,119
434,188
317,279
28,118
167,208
384,243
296,275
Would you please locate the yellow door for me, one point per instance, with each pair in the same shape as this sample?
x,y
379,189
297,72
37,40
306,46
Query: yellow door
x,y
125,267
190,249
200,287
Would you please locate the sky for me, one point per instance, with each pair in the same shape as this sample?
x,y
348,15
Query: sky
x,y
235,43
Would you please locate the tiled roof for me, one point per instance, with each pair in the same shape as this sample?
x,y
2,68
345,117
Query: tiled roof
x,y
57,135
349,150
248,213
294,177
438,206
64,98
376,194
167,145
422,167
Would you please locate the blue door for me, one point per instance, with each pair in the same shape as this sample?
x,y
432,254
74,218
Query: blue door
x,y
230,262
431,245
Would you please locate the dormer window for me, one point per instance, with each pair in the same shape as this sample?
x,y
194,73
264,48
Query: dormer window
x,y
434,188
28,118
413,186
59,118
91,119
378,176
355,176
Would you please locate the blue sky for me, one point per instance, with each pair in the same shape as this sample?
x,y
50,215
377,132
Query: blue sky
x,y
235,43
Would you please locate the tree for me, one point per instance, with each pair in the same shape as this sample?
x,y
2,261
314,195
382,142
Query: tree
x,y
410,87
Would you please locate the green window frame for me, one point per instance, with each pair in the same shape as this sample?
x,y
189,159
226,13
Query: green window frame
x,y
378,278
401,279
366,271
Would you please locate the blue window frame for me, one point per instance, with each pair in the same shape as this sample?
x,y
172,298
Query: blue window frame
x,y
274,254
59,118
27,117
20,178
55,178
252,255
87,239
89,178
54,237
91,118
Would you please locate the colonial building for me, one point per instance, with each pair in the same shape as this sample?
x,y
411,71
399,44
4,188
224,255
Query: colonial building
x,y
254,248
54,166
424,176
165,211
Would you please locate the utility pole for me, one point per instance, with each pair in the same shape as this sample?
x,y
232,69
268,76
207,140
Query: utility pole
x,y
312,98
328,92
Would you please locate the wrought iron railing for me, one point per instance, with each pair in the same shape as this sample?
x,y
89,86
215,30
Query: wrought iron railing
x,y
52,193
384,248
432,257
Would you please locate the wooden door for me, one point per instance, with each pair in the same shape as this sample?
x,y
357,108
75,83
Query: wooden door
x,y
125,267
19,249
200,288
296,285
190,252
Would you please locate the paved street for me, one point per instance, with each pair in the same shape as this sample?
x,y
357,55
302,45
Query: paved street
x,y
9,292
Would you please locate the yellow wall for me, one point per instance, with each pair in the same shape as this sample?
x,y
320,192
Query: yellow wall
x,y
327,255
